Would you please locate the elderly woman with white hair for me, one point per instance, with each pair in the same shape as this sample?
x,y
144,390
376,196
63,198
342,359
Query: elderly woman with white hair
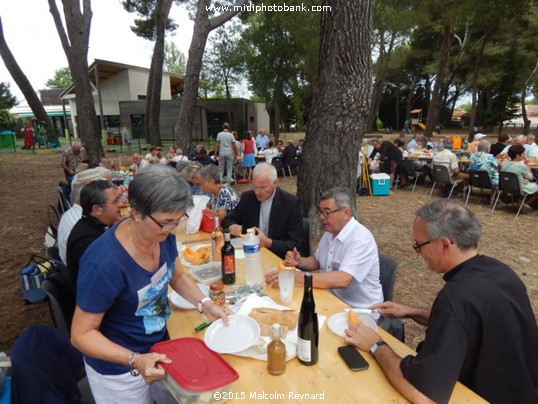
x,y
224,197
122,303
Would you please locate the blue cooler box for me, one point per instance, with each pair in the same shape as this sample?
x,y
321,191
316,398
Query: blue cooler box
x,y
380,184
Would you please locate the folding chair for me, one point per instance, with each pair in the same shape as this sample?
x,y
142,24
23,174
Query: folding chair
x,y
295,162
388,268
479,179
61,299
51,235
63,201
405,167
278,163
509,184
306,245
442,175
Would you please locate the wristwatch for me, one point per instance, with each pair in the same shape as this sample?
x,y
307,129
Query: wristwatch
x,y
201,303
376,346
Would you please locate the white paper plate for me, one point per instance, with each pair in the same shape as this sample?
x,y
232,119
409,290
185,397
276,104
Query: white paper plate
x,y
242,332
181,303
194,247
338,323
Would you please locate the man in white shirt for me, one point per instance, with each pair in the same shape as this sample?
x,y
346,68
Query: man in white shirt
x,y
413,144
138,163
447,158
346,261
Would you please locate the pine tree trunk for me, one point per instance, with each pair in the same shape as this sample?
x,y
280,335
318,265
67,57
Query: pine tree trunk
x,y
26,88
185,122
476,69
431,120
202,26
162,9
75,44
341,104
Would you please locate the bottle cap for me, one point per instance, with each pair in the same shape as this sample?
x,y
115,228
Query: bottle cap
x,y
275,330
216,286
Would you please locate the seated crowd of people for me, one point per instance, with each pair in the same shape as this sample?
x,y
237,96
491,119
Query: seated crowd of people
x,y
511,155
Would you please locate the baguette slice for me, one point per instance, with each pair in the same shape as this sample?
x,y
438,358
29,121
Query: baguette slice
x,y
352,318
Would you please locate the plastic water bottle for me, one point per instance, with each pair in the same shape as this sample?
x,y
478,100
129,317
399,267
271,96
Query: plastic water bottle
x,y
253,262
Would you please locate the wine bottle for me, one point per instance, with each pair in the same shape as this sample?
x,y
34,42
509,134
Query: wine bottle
x,y
228,260
216,241
307,329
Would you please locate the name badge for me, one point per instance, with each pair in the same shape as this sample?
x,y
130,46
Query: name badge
x,y
158,275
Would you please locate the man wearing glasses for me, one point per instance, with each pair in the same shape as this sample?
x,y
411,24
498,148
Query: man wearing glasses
x,y
346,261
275,213
481,328
100,209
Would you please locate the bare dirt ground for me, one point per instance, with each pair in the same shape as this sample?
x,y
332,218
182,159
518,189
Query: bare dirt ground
x,y
29,185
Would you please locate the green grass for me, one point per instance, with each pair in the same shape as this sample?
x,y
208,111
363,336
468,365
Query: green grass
x,y
110,150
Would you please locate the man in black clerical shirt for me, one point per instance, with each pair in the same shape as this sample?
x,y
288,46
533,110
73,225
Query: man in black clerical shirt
x,y
99,200
481,328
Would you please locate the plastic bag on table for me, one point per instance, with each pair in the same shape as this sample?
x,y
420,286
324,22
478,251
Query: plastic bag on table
x,y
195,213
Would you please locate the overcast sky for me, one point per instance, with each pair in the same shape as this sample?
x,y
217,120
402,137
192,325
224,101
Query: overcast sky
x,y
32,37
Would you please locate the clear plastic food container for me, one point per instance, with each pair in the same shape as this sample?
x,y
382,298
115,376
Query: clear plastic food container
x,y
207,273
196,373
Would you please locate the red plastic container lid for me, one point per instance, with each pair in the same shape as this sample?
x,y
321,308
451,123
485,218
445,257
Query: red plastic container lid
x,y
194,366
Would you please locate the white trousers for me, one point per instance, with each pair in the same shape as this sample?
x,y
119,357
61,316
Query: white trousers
x,y
125,388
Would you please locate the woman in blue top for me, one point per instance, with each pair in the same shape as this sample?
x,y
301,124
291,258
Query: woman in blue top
x,y
224,197
122,304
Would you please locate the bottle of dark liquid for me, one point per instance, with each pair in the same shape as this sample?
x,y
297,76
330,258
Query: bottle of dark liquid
x,y
228,260
307,329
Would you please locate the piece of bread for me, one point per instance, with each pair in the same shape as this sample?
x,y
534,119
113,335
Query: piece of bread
x,y
282,265
266,317
352,318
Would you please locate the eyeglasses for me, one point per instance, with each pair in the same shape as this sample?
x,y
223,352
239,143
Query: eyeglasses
x,y
170,226
326,214
418,246
261,188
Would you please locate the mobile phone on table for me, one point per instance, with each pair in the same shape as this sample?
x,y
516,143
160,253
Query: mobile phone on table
x,y
353,358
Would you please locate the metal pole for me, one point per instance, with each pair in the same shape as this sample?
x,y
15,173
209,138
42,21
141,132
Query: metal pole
x,y
101,117
66,123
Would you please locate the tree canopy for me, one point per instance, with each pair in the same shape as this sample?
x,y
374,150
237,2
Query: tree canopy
x,y
62,79
7,101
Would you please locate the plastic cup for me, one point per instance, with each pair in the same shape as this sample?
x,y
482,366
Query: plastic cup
x,y
286,282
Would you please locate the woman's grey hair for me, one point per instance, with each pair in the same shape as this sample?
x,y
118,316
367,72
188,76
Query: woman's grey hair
x,y
484,145
159,188
448,218
265,169
193,169
210,172
342,199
